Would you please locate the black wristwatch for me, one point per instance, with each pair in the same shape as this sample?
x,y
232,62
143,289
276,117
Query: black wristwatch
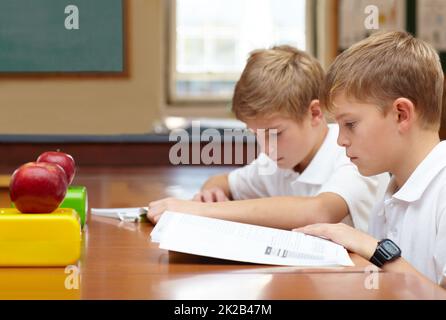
x,y
386,251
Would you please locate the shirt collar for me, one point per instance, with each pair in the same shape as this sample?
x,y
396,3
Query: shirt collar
x,y
388,195
423,175
319,169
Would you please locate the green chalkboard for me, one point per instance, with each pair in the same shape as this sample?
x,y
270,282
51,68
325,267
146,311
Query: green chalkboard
x,y
54,36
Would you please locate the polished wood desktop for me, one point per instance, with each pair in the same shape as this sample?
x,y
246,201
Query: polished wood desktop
x,y
119,261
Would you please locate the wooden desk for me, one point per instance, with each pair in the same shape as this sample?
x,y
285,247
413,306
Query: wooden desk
x,y
119,261
4,181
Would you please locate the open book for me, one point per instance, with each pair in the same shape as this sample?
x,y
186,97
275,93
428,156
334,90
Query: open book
x,y
244,242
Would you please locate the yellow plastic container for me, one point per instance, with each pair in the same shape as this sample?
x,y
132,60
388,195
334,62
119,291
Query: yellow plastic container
x,y
39,240
39,284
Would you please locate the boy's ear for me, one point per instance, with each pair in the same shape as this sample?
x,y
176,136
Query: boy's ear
x,y
315,112
404,112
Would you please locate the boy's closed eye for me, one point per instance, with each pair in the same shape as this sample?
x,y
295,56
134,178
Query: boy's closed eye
x,y
268,132
276,132
350,124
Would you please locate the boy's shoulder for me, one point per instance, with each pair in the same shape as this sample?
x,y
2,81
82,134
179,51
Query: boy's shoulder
x,y
433,167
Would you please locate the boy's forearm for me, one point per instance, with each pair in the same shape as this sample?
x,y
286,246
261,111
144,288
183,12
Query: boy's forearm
x,y
276,212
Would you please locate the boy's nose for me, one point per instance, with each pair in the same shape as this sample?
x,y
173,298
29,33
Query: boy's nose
x,y
343,141
268,146
264,146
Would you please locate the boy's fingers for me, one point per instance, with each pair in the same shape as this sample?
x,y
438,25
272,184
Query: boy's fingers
x,y
154,214
156,203
152,221
313,230
197,197
156,219
207,196
220,196
305,230
151,217
155,210
150,214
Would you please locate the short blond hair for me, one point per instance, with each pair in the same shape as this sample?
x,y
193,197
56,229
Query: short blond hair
x,y
385,67
282,79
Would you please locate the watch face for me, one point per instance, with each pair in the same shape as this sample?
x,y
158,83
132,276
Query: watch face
x,y
390,248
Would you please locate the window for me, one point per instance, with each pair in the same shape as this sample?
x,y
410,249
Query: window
x,y
211,40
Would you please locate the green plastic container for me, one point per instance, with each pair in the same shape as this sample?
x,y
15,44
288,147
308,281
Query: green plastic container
x,y
77,199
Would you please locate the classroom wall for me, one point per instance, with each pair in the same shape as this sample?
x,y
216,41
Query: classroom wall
x,y
76,104
79,104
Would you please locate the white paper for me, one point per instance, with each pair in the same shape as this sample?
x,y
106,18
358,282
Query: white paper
x,y
161,225
243,242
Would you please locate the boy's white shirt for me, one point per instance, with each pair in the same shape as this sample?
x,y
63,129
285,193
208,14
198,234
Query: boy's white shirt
x,y
329,171
414,217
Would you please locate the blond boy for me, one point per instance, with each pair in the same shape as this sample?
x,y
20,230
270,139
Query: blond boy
x,y
314,182
386,94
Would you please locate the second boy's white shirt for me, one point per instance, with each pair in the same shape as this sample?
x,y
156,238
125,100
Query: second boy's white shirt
x,y
414,217
329,171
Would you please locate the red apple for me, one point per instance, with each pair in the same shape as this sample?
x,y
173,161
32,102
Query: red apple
x,y
38,187
63,159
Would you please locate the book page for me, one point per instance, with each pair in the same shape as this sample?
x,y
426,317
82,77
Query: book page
x,y
244,242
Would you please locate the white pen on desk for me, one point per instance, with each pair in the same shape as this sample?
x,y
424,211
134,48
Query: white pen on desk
x,y
134,214
143,211
142,216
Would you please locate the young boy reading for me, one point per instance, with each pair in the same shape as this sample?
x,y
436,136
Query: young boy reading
x,y
314,182
386,94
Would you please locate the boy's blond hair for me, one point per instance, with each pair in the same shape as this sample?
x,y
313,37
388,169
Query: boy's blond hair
x,y
281,80
387,66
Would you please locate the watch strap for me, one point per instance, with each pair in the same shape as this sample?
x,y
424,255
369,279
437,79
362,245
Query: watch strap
x,y
374,259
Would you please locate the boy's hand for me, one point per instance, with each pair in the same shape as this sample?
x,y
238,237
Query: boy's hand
x,y
349,237
157,208
214,194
